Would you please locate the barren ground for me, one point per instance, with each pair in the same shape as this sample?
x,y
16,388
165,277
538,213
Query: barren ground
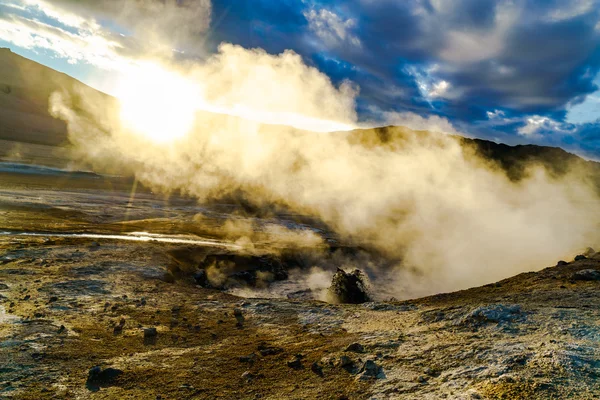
x,y
62,301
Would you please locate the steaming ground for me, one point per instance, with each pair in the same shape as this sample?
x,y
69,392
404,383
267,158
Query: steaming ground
x,y
69,304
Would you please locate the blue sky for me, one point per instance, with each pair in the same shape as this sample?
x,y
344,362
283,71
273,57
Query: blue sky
x,y
518,71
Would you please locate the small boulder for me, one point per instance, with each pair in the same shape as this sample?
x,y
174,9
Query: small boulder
x,y
248,376
250,359
317,369
371,370
98,377
201,279
237,313
265,350
586,275
150,336
355,348
347,364
561,263
580,257
295,363
493,313
150,332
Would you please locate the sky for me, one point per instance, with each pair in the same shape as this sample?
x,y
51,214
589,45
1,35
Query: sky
x,y
516,71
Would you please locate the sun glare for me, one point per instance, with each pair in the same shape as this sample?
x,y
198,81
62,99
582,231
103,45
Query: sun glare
x,y
156,103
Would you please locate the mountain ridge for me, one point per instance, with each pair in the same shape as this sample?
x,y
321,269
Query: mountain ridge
x,y
26,123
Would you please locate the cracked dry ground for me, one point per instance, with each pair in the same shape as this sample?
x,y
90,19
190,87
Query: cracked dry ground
x,y
67,306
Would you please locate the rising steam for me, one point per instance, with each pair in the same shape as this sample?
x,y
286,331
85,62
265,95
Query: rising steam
x,y
450,219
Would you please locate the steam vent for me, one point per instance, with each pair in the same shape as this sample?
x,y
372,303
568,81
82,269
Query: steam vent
x,y
316,199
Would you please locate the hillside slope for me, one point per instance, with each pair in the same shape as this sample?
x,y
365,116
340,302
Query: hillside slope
x,y
29,134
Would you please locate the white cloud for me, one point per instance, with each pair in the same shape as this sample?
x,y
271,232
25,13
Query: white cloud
x,y
83,46
536,123
496,114
474,45
570,9
429,85
331,28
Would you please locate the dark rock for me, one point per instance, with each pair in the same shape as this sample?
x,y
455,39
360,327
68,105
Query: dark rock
x,y
239,317
27,297
306,294
494,313
347,364
317,369
580,257
118,329
150,332
98,377
248,376
371,370
250,359
52,299
295,363
265,350
586,275
355,348
3,286
169,277
62,329
561,263
201,278
348,288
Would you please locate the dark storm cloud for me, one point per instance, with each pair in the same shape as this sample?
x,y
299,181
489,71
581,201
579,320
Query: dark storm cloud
x,y
527,57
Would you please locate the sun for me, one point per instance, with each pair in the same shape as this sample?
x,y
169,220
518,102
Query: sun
x,y
157,103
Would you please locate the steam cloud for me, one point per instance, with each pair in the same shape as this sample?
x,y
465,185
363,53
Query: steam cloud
x,y
451,219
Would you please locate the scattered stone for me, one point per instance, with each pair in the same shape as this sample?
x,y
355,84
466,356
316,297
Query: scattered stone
x,y
169,277
371,370
317,369
98,377
421,379
250,359
239,317
27,297
580,257
355,348
150,332
295,363
62,329
495,313
586,275
3,286
268,350
52,299
118,329
347,363
248,376
561,263
348,288
201,278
